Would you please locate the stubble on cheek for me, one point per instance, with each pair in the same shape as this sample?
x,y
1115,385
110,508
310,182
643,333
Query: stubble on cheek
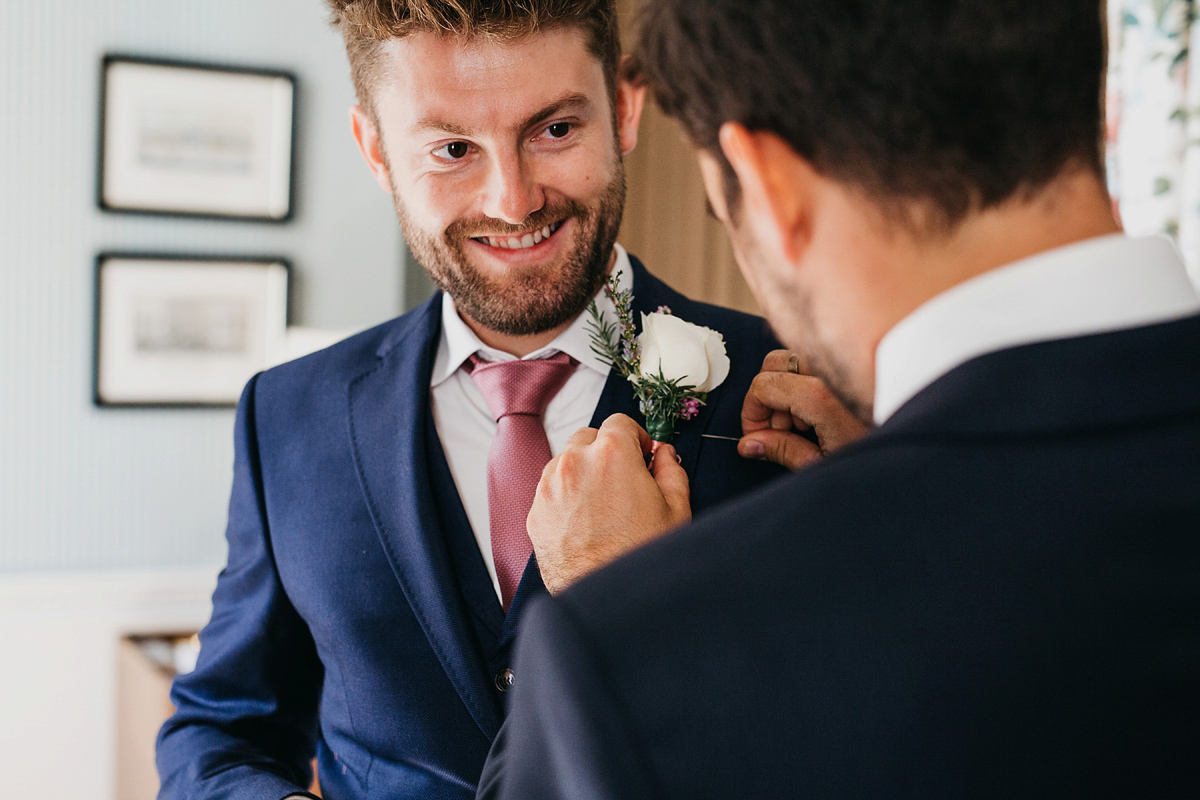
x,y
792,318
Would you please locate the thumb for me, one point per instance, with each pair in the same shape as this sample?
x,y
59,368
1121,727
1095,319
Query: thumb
x,y
783,447
673,482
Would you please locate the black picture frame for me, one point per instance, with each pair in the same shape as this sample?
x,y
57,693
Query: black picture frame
x,y
193,139
184,330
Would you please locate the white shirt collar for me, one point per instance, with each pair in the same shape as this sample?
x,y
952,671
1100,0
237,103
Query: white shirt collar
x,y
1103,284
459,342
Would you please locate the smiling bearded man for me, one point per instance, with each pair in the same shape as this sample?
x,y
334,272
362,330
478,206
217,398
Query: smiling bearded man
x,y
535,252
536,301
378,559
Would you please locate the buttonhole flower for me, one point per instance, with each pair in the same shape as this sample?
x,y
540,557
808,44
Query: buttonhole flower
x,y
673,364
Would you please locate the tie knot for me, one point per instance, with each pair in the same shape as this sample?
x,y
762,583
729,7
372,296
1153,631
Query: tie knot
x,y
521,387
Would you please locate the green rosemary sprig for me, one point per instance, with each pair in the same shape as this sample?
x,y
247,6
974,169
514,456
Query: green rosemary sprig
x,y
615,343
604,338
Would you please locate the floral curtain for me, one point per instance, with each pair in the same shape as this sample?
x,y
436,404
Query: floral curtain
x,y
1154,120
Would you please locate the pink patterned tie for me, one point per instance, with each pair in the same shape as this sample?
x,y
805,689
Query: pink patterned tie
x,y
517,393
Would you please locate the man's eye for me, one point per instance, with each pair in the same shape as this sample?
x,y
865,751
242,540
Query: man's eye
x,y
559,129
453,151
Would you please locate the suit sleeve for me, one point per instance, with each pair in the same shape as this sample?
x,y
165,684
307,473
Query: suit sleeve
x,y
565,736
245,724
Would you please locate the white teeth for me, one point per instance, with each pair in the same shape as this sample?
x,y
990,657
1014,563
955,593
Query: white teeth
x,y
528,240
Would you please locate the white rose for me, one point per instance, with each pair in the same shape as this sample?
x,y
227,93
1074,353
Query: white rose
x,y
691,354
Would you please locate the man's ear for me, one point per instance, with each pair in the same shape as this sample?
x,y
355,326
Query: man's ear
x,y
370,143
631,99
779,187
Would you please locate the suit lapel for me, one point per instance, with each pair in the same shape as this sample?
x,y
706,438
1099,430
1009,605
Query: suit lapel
x,y
388,415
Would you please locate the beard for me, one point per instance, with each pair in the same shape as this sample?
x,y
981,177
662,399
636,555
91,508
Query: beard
x,y
824,362
539,298
790,315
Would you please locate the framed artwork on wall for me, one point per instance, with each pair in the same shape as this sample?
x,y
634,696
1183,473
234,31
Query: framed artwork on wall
x,y
185,331
196,139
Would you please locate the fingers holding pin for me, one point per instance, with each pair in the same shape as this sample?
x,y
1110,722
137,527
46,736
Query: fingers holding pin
x,y
791,417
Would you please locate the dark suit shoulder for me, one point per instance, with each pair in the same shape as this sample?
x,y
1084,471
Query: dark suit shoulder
x,y
329,370
740,321
738,327
927,605
722,318
695,559
893,496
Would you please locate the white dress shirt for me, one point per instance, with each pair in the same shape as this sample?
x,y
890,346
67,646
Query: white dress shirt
x,y
1104,284
465,425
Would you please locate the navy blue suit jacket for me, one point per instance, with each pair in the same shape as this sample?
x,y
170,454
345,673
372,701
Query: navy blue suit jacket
x,y
343,591
996,594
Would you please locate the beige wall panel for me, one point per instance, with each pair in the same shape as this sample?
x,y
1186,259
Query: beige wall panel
x,y
666,218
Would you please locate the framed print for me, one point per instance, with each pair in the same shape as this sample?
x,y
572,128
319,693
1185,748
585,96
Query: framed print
x,y
178,138
184,331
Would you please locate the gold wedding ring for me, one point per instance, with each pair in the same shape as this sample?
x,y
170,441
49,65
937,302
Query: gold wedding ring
x,y
794,364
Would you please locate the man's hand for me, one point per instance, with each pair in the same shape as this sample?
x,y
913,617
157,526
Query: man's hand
x,y
784,399
597,500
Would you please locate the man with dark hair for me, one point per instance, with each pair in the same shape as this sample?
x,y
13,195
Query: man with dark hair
x,y
994,593
378,559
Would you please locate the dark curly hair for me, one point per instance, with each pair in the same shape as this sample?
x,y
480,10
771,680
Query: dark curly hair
x,y
957,104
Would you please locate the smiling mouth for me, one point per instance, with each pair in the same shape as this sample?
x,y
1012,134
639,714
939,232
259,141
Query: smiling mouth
x,y
522,242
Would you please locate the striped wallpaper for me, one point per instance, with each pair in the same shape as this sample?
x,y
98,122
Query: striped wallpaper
x,y
89,488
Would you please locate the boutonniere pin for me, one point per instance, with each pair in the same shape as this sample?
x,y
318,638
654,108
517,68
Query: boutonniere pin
x,y
672,364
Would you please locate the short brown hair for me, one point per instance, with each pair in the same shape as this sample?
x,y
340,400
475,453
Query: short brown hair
x,y
366,24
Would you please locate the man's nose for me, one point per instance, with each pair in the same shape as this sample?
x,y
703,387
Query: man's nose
x,y
513,192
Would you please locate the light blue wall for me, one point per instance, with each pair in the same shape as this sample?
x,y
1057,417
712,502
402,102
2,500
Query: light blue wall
x,y
89,488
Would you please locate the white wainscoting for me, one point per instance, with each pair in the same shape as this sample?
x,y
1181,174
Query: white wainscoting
x,y
58,670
